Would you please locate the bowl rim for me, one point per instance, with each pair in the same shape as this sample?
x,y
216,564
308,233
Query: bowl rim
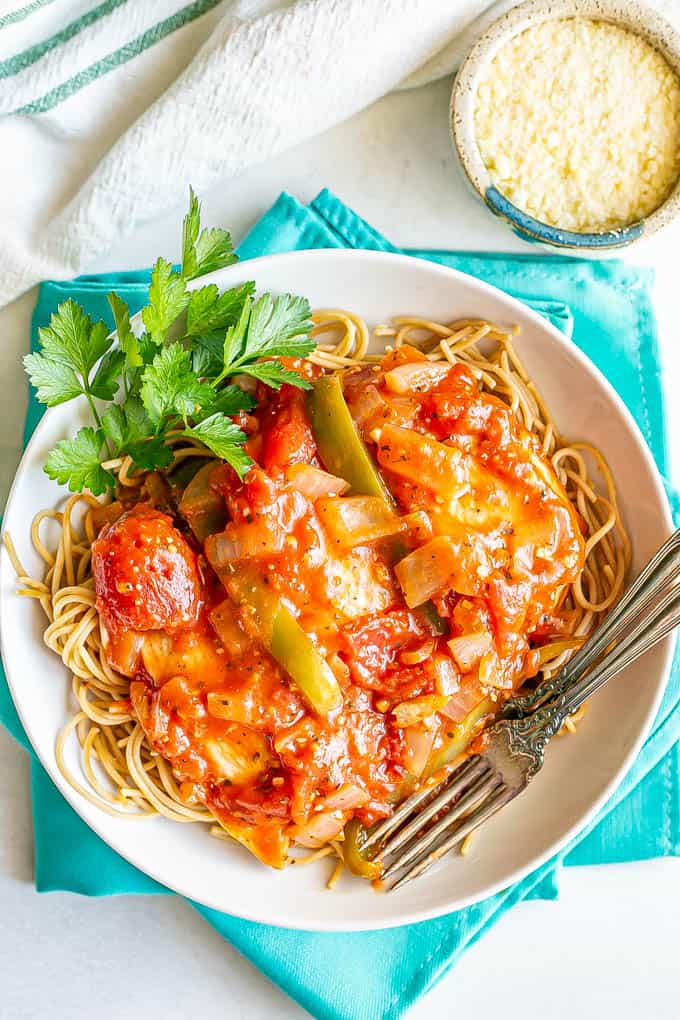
x,y
636,17
126,848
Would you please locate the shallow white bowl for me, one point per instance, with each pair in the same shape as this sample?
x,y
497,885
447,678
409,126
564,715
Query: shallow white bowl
x,y
581,771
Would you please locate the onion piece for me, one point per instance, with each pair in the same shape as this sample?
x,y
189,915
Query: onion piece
x,y
228,628
366,403
346,798
357,520
462,703
523,558
234,708
340,668
468,649
443,564
423,461
123,653
419,654
489,674
156,650
417,710
314,483
446,675
419,743
418,375
319,830
239,755
252,540
419,525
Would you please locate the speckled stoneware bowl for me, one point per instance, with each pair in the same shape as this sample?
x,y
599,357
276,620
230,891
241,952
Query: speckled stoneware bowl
x,y
629,14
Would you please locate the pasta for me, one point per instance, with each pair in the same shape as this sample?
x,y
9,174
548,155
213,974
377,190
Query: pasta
x,y
120,770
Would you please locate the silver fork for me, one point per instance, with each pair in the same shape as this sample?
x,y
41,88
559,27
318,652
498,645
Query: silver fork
x,y
439,817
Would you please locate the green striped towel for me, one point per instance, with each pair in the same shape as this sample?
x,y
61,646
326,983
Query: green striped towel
x,y
110,108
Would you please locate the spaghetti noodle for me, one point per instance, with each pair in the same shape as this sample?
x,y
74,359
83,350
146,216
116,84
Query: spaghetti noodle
x,y
121,772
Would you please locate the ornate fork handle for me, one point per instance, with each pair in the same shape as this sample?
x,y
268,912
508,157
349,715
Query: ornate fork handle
x,y
527,737
661,570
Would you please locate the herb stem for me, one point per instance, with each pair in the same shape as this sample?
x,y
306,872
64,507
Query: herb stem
x,y
93,408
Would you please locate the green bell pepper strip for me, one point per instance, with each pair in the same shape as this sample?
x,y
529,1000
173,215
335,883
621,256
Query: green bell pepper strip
x,y
342,449
433,620
203,509
356,834
353,855
461,735
282,635
344,453
180,476
294,652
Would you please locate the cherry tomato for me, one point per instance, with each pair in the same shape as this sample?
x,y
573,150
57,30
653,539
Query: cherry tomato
x,y
146,576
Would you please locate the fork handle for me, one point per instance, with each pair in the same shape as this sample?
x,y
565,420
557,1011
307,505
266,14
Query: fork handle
x,y
661,570
539,727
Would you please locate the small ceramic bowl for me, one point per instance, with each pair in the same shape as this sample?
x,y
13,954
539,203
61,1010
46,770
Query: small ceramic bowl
x,y
629,14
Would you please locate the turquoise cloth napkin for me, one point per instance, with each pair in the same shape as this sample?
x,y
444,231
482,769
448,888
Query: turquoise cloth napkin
x,y
605,307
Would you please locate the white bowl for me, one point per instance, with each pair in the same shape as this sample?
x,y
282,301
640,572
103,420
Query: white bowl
x,y
581,771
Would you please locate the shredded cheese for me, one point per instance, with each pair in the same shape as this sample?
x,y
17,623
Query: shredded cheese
x,y
578,124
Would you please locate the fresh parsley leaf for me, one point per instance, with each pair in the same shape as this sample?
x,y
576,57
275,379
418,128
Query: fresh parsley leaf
x,y
147,348
127,424
168,297
190,229
167,376
74,340
209,311
138,423
233,399
54,382
127,341
279,327
214,250
273,374
229,401
202,253
71,346
128,429
235,338
77,463
225,440
206,355
150,454
107,377
114,427
169,386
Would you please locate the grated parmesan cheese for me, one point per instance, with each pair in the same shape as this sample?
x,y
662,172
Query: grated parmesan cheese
x,y
578,124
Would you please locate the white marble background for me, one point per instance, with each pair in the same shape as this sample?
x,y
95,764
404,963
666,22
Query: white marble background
x,y
609,947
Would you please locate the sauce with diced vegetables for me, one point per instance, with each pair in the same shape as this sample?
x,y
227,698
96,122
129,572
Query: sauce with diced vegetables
x,y
306,643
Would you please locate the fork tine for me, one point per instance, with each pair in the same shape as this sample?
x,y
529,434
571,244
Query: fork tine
x,y
487,784
394,821
494,803
462,779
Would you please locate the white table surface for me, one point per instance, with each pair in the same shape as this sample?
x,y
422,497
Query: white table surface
x,y
615,931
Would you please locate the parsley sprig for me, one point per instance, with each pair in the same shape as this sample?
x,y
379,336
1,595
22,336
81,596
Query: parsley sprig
x,y
176,375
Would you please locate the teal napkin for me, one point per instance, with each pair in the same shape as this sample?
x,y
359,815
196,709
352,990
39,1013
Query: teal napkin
x,y
606,308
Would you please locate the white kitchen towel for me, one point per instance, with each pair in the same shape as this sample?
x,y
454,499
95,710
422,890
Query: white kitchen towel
x,y
109,110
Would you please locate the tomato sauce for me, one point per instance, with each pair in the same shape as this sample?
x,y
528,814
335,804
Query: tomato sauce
x,y
206,682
